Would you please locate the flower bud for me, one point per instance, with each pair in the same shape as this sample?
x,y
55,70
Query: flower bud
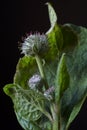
x,y
49,93
35,82
34,44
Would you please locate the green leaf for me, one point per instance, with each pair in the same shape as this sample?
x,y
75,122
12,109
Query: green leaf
x,y
70,38
62,78
28,105
54,34
52,14
74,112
55,38
27,124
74,96
8,89
71,103
25,69
28,102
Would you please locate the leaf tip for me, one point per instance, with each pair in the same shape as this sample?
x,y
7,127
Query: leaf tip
x,y
8,89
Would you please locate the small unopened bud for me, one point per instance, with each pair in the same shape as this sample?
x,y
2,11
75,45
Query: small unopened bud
x,y
35,82
49,93
34,44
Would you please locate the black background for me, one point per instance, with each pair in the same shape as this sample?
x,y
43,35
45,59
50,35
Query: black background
x,y
18,17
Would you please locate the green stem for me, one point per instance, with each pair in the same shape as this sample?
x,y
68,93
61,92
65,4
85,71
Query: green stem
x,y
54,111
40,66
56,114
59,116
55,125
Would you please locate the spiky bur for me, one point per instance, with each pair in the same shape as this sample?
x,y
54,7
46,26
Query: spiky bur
x,y
34,44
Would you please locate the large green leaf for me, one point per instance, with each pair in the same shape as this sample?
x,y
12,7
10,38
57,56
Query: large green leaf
x,y
68,42
29,105
75,46
74,96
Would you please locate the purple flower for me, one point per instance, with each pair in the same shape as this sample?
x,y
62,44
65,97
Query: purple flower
x,y
35,82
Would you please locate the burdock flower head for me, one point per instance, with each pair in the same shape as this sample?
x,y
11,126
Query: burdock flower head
x,y
34,44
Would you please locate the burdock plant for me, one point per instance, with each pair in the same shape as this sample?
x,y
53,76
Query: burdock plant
x,y
50,83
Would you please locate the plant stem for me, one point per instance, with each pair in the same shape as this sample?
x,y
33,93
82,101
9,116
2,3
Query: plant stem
x,y
54,111
56,114
55,125
40,66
